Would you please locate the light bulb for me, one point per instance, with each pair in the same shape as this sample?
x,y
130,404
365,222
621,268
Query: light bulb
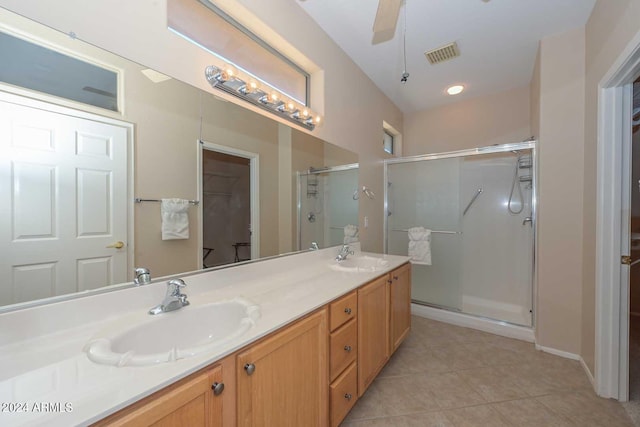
x,y
455,90
305,113
291,106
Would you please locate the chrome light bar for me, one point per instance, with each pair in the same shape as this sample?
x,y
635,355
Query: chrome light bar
x,y
227,81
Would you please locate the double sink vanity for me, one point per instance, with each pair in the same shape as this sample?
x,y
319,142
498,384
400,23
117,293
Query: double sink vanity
x,y
293,340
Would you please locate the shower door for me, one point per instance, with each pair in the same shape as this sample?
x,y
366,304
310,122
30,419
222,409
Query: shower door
x,y
480,208
327,203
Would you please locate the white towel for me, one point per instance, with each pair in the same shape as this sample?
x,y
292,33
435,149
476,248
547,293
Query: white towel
x,y
350,234
175,219
420,245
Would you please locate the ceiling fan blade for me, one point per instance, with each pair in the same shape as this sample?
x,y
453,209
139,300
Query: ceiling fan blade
x,y
387,15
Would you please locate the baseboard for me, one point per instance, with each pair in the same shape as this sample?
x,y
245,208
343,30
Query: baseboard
x,y
557,352
588,372
473,322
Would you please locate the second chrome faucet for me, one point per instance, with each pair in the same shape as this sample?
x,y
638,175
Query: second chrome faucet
x,y
174,298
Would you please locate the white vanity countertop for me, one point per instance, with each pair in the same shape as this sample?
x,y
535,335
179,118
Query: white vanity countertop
x,y
44,370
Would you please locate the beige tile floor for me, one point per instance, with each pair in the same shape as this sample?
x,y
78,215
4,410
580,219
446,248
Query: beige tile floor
x,y
445,375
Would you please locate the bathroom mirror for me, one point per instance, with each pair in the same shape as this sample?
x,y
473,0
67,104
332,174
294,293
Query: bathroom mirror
x,y
238,168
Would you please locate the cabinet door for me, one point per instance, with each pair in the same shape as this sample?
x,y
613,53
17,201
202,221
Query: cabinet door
x,y
373,331
283,380
191,402
400,294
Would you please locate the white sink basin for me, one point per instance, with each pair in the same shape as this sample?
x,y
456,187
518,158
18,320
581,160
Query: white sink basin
x,y
360,264
175,335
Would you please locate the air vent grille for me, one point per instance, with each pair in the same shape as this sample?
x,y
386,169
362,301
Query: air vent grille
x,y
443,53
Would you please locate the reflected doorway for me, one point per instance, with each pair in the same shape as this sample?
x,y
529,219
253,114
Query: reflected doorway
x,y
228,183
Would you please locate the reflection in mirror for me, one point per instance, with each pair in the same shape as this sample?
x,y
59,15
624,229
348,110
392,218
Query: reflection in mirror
x,y
72,171
328,206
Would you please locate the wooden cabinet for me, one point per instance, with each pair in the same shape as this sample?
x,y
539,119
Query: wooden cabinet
x,y
283,380
400,305
198,400
343,394
373,330
310,373
343,353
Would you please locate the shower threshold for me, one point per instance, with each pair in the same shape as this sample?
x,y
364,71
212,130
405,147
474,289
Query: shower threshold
x,y
456,317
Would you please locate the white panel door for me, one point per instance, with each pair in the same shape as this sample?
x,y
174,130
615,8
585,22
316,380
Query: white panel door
x,y
63,192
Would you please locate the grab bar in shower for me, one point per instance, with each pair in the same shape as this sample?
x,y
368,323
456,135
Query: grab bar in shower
x,y
433,231
473,199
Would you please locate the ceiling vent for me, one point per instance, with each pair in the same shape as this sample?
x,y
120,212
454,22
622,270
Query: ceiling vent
x,y
443,53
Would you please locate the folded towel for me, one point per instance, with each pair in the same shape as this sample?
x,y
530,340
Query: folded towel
x,y
350,234
175,219
420,245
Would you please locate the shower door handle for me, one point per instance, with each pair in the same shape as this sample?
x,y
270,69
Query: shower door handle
x,y
528,220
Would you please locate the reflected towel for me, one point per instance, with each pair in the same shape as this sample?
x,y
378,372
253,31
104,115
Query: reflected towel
x,y
419,245
175,219
350,234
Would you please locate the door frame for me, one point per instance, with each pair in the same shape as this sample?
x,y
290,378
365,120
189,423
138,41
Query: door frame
x,y
46,104
254,178
615,94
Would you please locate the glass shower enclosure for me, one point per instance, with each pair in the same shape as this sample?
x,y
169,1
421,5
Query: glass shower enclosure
x,y
327,204
479,206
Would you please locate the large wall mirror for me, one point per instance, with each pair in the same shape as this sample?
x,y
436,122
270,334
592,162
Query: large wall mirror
x,y
78,147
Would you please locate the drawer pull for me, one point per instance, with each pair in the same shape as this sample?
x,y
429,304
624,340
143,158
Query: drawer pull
x,y
347,310
347,348
348,396
250,368
217,388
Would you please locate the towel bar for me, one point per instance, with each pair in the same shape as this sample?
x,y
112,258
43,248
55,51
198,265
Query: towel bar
x,y
433,231
138,200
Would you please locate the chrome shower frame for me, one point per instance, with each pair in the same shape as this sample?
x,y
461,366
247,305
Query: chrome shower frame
x,y
313,171
501,148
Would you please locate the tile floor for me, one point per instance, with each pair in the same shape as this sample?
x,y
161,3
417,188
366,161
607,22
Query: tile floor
x,y
445,375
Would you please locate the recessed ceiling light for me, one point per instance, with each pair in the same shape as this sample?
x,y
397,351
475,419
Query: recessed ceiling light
x,y
454,90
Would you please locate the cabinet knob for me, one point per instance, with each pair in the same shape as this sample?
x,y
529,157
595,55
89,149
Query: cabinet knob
x,y
395,277
217,388
348,396
250,368
347,310
347,348
389,281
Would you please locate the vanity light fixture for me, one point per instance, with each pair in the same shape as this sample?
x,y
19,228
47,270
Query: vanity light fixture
x,y
455,90
231,81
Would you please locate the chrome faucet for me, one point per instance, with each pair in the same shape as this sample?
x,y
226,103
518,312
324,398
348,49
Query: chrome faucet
x,y
314,246
173,300
142,276
345,251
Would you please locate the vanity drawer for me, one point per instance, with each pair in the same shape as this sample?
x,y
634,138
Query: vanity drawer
x,y
343,348
344,394
343,310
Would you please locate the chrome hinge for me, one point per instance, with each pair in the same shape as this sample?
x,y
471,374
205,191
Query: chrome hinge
x,y
625,259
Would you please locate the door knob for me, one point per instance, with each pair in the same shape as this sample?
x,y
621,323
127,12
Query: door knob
x,y
117,245
217,388
250,368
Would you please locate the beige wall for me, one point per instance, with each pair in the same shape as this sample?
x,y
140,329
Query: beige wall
x,y
493,119
610,28
354,108
561,136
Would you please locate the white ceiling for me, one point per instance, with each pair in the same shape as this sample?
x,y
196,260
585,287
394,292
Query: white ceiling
x,y
498,41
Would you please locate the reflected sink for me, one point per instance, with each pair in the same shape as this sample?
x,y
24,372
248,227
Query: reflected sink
x,y
360,264
175,335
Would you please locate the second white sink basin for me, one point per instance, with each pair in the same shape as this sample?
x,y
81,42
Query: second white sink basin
x,y
360,264
175,335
